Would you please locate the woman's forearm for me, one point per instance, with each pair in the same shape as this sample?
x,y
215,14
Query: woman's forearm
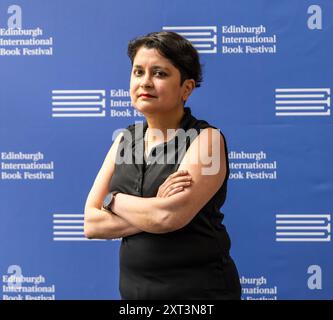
x,y
147,214
101,224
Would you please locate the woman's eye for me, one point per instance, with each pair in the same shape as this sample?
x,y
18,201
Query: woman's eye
x,y
160,73
137,72
157,73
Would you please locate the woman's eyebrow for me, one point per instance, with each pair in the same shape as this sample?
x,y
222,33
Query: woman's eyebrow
x,y
161,67
153,67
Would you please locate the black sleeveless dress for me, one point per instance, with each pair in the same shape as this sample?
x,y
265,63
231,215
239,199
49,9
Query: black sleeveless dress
x,y
190,263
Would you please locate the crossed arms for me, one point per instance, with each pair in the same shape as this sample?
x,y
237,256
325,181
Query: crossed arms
x,y
160,214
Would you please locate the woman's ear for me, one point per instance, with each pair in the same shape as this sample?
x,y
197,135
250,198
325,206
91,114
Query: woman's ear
x,y
189,85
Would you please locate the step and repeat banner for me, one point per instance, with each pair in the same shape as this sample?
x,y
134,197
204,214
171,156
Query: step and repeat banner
x,y
64,91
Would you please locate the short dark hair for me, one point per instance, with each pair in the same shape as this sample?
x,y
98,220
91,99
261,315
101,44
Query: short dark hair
x,y
175,48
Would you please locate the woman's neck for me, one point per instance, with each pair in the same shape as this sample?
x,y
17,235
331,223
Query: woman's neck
x,y
161,123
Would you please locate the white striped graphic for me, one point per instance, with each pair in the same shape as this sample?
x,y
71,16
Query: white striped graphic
x,y
69,227
303,227
327,90
299,96
78,103
302,102
203,38
75,239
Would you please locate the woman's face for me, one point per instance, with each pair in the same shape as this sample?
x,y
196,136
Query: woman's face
x,y
154,75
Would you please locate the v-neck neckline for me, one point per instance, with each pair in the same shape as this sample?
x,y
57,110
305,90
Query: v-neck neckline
x,y
183,124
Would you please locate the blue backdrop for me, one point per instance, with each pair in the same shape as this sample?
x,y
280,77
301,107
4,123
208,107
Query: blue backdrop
x,y
64,81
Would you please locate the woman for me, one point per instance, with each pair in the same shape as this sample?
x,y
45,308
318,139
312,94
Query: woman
x,y
162,184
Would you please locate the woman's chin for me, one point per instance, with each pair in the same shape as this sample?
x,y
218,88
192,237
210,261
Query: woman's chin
x,y
146,107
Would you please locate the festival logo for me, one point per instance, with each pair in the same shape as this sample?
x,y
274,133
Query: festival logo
x,y
291,102
16,286
16,39
230,39
303,227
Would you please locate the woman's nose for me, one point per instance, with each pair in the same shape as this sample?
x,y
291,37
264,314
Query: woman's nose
x,y
146,81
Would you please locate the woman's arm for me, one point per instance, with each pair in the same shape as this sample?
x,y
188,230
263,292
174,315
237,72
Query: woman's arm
x,y
205,161
99,223
102,224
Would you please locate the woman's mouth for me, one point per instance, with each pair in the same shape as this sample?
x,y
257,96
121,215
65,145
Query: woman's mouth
x,y
146,95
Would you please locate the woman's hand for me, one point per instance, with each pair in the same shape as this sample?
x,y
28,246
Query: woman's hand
x,y
175,183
